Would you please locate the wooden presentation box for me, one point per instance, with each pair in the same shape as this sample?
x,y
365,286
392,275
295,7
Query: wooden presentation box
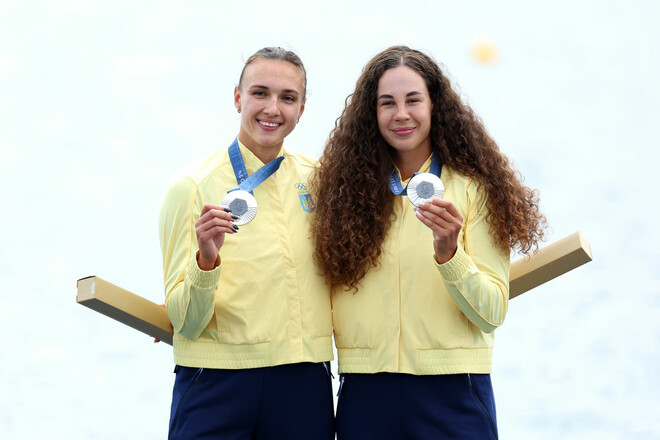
x,y
125,307
148,317
547,263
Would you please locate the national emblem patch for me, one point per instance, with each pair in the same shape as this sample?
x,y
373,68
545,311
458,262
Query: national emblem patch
x,y
307,202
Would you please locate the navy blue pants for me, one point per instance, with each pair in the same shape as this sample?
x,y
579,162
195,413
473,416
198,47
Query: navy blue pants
x,y
391,406
285,402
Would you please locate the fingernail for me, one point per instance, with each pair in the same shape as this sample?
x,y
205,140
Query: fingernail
x,y
235,227
235,217
226,210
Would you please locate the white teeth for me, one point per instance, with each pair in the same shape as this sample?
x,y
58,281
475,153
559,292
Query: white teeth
x,y
269,124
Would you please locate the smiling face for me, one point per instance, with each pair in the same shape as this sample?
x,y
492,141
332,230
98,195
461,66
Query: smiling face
x,y
271,98
403,109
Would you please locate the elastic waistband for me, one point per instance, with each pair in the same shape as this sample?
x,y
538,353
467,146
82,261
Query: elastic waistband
x,y
212,354
416,361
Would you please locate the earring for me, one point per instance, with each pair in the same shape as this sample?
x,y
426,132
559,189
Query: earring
x,y
238,109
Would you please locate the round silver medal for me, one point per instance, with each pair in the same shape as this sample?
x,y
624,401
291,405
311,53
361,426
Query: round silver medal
x,y
242,204
423,187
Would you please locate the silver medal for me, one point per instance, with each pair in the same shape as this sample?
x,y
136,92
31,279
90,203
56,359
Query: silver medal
x,y
242,204
423,187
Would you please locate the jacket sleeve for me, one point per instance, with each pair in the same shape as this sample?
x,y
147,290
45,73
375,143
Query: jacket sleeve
x,y
189,291
477,276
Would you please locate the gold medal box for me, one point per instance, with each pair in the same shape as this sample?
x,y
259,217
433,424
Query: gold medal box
x,y
528,272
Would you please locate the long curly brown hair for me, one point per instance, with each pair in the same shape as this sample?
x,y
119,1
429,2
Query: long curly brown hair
x,y
354,204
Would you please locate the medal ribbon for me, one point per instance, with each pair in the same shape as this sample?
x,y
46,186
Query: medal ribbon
x,y
395,183
245,182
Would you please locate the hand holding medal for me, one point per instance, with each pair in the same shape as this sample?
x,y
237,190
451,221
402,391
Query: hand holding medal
x,y
425,192
238,207
442,217
213,223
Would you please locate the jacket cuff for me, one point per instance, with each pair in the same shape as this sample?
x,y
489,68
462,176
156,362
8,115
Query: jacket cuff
x,y
203,278
456,268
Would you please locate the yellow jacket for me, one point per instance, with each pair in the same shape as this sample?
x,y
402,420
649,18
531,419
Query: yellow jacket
x,y
266,304
412,315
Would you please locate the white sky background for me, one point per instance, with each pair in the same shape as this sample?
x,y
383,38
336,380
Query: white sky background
x,y
101,102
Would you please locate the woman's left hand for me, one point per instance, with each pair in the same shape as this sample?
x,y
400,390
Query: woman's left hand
x,y
445,221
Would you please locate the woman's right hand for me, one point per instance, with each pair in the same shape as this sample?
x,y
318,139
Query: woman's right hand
x,y
213,223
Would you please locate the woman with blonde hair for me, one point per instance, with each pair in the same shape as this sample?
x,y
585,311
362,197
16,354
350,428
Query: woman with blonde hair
x,y
419,282
251,315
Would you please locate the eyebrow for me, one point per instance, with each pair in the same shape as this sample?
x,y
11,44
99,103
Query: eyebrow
x,y
259,86
407,94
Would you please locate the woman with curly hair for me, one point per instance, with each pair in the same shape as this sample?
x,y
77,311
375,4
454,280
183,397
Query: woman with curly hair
x,y
418,289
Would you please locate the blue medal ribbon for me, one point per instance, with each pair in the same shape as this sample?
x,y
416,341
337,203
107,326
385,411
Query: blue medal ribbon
x,y
245,182
395,183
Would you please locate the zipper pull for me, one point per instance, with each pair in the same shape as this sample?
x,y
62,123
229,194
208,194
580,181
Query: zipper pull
x,y
328,369
341,384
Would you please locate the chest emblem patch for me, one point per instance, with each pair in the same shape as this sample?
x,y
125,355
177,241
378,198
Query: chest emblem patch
x,y
306,200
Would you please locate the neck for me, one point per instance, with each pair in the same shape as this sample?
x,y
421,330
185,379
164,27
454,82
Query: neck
x,y
409,163
264,154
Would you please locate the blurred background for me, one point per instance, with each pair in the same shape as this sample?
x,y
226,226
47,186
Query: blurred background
x,y
102,102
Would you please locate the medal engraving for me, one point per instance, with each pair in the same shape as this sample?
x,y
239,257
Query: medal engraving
x,y
238,207
425,190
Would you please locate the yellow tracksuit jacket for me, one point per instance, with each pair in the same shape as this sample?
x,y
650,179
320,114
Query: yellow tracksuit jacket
x,y
412,315
266,304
